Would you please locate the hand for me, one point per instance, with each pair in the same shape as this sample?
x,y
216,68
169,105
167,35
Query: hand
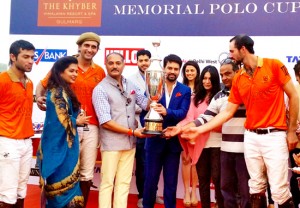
x,y
191,134
171,131
159,108
297,159
82,119
292,140
296,170
41,103
138,133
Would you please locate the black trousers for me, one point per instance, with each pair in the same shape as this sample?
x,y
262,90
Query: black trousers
x,y
140,167
208,167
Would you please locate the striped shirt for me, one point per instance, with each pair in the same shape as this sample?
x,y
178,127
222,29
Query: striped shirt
x,y
233,129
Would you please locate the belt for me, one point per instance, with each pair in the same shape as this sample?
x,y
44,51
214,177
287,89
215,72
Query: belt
x,y
265,131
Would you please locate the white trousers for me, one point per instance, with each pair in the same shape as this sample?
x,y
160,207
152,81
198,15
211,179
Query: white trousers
x,y
116,174
266,158
15,164
89,147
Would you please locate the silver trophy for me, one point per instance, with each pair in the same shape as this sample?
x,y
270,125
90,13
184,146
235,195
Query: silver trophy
x,y
154,79
85,126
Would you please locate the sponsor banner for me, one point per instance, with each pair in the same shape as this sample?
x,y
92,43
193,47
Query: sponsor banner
x,y
128,53
155,18
67,13
48,55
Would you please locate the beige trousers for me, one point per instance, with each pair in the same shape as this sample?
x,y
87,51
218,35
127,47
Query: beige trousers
x,y
116,174
89,147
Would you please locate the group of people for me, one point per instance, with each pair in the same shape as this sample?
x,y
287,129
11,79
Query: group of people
x,y
253,113
240,136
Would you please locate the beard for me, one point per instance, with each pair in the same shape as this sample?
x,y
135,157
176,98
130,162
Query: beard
x,y
239,62
22,68
171,77
141,70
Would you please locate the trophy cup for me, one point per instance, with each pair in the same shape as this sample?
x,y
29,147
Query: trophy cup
x,y
85,126
154,79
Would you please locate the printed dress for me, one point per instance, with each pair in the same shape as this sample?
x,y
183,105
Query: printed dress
x,y
58,154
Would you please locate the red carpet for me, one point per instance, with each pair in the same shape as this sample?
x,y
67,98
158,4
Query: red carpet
x,y
33,199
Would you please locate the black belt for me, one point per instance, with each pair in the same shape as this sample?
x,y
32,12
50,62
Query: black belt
x,y
265,131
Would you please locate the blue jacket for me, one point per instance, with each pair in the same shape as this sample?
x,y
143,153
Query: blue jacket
x,y
177,110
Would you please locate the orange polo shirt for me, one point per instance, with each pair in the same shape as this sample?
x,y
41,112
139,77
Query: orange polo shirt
x,y
83,88
16,104
262,94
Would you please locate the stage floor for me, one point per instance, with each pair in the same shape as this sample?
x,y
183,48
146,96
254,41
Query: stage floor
x,y
33,199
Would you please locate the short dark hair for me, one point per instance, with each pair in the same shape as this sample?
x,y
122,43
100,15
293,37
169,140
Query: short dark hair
x,y
142,53
243,40
297,68
173,58
17,46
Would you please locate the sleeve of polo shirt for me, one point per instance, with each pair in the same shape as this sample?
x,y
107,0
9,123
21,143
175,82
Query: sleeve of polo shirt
x,y
234,96
141,99
44,81
281,72
101,104
212,110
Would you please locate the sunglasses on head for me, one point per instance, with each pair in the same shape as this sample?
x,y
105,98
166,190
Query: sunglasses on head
x,y
227,61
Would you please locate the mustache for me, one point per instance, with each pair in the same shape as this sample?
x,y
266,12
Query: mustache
x,y
171,74
114,69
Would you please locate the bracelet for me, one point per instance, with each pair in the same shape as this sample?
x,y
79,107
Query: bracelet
x,y
130,132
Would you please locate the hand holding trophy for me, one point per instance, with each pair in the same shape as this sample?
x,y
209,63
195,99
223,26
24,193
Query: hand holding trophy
x,y
154,89
85,126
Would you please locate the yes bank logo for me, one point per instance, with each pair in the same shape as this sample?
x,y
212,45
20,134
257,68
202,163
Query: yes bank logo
x,y
48,55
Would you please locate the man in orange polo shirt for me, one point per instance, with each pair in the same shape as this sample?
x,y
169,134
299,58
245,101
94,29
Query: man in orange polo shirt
x,y
16,102
89,75
261,85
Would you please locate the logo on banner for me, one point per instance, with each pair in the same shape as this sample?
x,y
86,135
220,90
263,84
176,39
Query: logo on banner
x,y
68,13
128,53
293,59
48,55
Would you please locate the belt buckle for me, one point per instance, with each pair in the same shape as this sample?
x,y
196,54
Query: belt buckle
x,y
262,131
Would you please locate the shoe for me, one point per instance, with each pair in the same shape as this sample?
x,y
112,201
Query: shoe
x,y
159,200
186,203
194,204
140,203
194,200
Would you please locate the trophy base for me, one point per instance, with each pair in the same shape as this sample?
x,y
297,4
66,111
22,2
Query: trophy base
x,y
153,127
152,132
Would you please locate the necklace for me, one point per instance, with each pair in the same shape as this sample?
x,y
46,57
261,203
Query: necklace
x,y
250,71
